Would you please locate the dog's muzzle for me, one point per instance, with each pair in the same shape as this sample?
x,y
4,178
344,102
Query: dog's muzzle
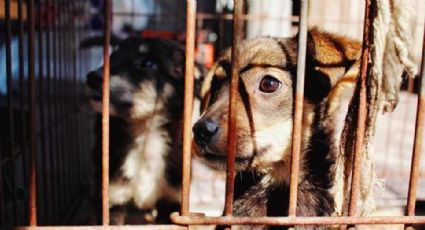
x,y
204,131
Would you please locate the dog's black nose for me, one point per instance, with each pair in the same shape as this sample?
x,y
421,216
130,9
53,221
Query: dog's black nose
x,y
204,131
94,79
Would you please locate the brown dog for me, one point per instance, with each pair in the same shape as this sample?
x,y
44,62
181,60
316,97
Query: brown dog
x,y
264,122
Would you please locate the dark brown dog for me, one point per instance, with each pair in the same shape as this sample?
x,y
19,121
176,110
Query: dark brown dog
x,y
264,122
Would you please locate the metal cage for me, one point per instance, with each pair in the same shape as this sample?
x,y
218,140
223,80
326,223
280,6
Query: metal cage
x,y
44,110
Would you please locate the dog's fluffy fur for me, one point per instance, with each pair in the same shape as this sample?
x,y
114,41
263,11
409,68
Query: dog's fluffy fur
x,y
264,122
146,94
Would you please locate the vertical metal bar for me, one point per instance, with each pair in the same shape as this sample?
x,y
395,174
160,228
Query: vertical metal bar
x,y
105,113
361,121
63,114
51,192
188,103
71,97
10,106
32,115
78,69
298,109
417,146
60,107
64,104
75,97
2,210
42,113
55,95
234,84
22,97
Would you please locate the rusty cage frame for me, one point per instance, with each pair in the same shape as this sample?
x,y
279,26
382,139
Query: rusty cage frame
x,y
184,219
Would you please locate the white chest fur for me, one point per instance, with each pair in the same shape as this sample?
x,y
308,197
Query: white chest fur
x,y
144,169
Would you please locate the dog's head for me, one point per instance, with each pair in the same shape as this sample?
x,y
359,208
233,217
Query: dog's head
x,y
144,74
266,96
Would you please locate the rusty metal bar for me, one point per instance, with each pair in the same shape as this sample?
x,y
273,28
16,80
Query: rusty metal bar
x,y
60,110
50,129
234,84
245,17
65,104
32,115
361,121
105,113
298,109
2,210
23,120
288,221
112,227
10,105
209,16
417,146
55,97
188,104
41,98
76,123
76,57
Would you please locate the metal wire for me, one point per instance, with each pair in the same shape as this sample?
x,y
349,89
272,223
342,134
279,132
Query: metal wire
x,y
57,106
417,146
289,221
232,122
105,113
10,105
361,121
188,104
32,116
298,110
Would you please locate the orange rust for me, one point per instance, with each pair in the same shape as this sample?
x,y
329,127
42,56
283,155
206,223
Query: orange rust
x,y
105,114
298,109
417,146
361,121
288,221
231,135
188,104
32,109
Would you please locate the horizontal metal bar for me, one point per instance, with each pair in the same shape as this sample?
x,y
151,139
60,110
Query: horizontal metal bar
x,y
288,221
124,227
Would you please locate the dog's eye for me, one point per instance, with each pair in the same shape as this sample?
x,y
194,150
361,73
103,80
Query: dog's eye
x,y
269,84
149,64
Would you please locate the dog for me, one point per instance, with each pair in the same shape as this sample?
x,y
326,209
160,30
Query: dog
x,y
146,106
264,122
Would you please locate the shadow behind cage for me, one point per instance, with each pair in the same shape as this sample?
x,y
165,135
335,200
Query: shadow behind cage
x,y
46,133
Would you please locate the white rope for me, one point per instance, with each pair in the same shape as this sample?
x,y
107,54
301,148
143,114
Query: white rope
x,y
390,55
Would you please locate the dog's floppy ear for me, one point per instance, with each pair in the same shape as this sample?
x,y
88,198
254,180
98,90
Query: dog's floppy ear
x,y
332,63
